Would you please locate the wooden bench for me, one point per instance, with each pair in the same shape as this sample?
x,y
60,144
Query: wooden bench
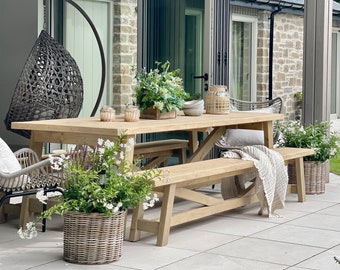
x,y
158,152
182,180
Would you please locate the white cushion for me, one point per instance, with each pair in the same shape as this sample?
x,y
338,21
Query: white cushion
x,y
269,109
243,137
8,161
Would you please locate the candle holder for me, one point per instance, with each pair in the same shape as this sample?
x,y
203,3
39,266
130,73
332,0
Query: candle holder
x,y
107,114
132,114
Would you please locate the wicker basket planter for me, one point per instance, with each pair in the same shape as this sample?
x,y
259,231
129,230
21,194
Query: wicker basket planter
x,y
93,238
151,113
316,175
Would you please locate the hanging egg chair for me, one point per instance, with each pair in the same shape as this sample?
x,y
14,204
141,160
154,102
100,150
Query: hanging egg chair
x,y
50,85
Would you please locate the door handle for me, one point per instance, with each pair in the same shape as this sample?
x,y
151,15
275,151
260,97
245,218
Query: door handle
x,y
205,77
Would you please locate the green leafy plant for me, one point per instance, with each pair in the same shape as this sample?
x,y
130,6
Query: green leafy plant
x,y
160,89
298,99
316,136
335,162
195,96
99,180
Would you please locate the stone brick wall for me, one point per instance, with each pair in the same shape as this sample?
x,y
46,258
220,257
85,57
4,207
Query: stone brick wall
x,y
124,51
287,58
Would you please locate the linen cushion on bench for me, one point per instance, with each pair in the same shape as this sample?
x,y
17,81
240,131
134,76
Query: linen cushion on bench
x,y
236,138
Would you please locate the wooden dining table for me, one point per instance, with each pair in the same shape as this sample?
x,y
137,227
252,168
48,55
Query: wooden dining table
x,y
88,130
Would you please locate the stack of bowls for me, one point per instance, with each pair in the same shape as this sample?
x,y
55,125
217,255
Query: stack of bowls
x,y
193,107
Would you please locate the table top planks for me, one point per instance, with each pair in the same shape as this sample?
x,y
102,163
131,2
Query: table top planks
x,y
91,125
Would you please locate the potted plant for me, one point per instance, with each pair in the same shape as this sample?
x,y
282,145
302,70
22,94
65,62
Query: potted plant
x,y
159,92
99,186
318,137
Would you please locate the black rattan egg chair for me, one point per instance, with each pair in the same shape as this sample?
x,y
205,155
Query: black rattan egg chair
x,y
50,85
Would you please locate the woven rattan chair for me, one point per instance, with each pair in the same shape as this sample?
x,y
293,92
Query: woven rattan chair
x,y
232,186
270,106
241,105
33,176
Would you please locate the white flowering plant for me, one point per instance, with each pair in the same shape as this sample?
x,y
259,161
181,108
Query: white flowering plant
x,y
99,180
316,136
160,88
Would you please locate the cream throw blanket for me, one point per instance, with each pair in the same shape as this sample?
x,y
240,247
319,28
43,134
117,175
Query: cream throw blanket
x,y
271,175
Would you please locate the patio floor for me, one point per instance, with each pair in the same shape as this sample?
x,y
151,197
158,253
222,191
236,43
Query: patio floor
x,y
306,236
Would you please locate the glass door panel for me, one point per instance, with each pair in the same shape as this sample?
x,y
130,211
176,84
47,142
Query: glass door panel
x,y
193,52
243,57
175,33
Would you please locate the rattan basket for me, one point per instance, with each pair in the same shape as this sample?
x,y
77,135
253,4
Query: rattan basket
x,y
93,238
217,100
316,175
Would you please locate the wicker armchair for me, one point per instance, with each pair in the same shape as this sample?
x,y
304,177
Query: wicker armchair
x,y
241,105
270,106
34,176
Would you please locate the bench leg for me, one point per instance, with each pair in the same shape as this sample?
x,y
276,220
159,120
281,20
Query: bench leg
x,y
166,213
25,214
3,216
137,214
300,180
234,186
182,155
228,188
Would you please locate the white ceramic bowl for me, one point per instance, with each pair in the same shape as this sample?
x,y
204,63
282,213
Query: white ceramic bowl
x,y
193,112
193,104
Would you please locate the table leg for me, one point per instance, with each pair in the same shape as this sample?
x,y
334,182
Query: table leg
x,y
207,144
137,214
193,141
268,134
35,145
129,154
